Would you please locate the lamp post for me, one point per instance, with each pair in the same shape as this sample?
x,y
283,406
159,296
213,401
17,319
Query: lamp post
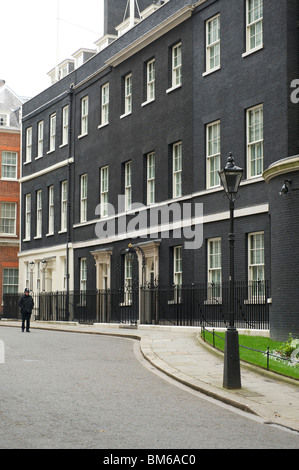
x,y
44,264
230,178
31,267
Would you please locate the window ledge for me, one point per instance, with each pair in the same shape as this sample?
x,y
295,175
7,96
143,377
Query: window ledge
x,y
38,237
259,300
63,145
214,301
50,234
82,135
103,125
208,72
8,235
173,88
252,51
50,151
145,103
125,115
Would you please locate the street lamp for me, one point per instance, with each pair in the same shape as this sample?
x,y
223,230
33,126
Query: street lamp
x,y
31,267
44,264
230,178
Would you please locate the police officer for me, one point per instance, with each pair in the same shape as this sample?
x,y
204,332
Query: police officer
x,y
26,304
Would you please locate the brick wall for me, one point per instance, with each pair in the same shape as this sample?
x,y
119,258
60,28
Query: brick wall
x,y
9,192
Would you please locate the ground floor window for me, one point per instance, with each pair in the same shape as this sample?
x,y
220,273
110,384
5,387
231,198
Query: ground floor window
x,y
214,269
10,280
256,275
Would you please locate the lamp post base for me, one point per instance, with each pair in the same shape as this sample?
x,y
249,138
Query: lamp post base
x,y
231,374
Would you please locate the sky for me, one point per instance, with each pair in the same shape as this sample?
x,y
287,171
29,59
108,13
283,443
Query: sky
x,y
29,38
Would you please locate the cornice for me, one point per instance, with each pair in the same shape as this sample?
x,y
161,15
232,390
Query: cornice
x,y
151,36
281,167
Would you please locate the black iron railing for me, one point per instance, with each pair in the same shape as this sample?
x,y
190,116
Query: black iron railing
x,y
196,305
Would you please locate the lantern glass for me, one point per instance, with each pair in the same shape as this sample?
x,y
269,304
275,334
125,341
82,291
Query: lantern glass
x,y
231,177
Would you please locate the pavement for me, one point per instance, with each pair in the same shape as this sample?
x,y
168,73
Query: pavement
x,y
180,353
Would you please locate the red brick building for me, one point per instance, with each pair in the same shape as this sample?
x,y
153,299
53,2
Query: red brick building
x,y
10,141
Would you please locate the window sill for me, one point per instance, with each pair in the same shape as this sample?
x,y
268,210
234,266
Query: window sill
x,y
50,234
62,231
173,88
63,145
261,300
125,115
215,301
8,235
103,125
175,302
208,72
27,163
26,239
50,151
145,103
252,51
82,135
38,237
38,158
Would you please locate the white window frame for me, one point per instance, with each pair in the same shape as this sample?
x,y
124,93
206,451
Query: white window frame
x,y
151,80
63,211
256,266
214,269
9,168
255,141
83,281
28,155
27,217
51,211
213,44
256,257
8,226
128,278
213,154
64,264
151,177
83,274
105,104
104,191
65,125
254,21
52,132
178,266
177,165
40,139
10,274
128,93
83,198
176,65
84,116
128,186
39,213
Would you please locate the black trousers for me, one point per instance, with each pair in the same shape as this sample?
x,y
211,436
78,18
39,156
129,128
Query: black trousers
x,y
26,319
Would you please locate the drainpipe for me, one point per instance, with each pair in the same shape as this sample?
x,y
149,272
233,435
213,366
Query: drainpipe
x,y
70,94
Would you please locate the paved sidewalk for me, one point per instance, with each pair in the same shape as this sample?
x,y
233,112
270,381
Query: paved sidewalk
x,y
179,353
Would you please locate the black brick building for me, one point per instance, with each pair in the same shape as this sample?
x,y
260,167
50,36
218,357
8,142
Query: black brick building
x,y
152,117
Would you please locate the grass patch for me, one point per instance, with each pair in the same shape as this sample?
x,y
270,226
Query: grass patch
x,y
257,358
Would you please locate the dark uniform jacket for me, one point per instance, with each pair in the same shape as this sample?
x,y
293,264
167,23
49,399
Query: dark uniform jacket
x,y
26,304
